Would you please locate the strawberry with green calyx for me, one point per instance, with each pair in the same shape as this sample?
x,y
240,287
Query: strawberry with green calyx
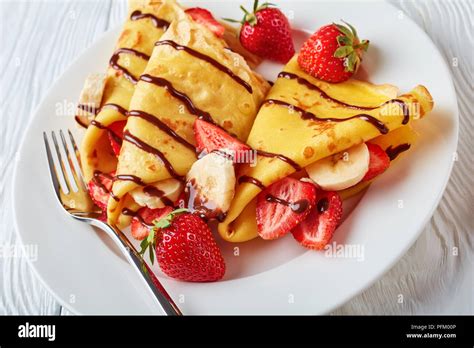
x,y
333,53
149,243
185,248
266,32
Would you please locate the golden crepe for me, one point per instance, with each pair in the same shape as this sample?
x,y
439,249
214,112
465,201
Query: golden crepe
x,y
315,119
192,73
146,22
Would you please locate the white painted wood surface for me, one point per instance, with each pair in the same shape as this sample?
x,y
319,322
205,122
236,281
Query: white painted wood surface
x,y
39,39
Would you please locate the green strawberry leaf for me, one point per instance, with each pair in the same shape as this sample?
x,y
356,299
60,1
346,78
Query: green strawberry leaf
x,y
231,20
351,62
152,255
364,45
344,30
343,40
255,6
343,51
143,246
354,31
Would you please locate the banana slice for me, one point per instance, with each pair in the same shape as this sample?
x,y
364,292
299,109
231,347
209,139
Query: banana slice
x,y
341,170
211,185
159,194
90,98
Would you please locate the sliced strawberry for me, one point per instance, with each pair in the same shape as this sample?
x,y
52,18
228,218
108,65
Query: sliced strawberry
x,y
143,220
317,230
181,201
379,161
117,129
99,189
103,216
204,17
282,206
211,138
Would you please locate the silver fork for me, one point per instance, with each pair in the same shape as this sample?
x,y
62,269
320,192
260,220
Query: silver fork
x,y
70,174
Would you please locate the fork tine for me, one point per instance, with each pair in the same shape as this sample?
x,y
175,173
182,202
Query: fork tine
x,y
52,167
77,162
61,162
69,163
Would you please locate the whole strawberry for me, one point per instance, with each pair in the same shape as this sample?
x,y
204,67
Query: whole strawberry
x,y
333,53
266,32
185,248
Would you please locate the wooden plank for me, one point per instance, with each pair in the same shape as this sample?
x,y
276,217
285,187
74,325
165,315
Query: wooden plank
x,y
435,276
39,39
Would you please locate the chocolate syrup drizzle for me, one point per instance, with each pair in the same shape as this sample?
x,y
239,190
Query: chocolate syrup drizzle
x,y
99,125
150,149
208,59
251,180
114,62
161,125
306,115
298,206
393,152
129,177
200,205
280,157
182,97
148,189
79,122
96,179
157,22
129,212
304,82
116,107
156,192
88,108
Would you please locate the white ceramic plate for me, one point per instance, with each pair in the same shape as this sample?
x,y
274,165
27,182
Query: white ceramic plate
x,y
88,275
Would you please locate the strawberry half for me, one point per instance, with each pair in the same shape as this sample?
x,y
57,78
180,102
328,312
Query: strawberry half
x,y
211,138
378,163
99,189
204,17
143,220
282,206
115,133
317,229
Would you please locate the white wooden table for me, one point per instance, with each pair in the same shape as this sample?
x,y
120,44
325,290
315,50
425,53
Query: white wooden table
x,y
39,39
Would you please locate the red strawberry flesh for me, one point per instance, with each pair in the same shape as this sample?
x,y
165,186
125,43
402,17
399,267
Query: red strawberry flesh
x,y
282,206
204,17
378,163
115,134
99,189
144,218
317,229
211,138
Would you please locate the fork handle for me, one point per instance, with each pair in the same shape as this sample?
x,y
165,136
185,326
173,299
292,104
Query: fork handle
x,y
146,274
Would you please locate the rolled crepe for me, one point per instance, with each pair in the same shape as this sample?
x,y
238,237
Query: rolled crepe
x,y
303,120
146,22
192,73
